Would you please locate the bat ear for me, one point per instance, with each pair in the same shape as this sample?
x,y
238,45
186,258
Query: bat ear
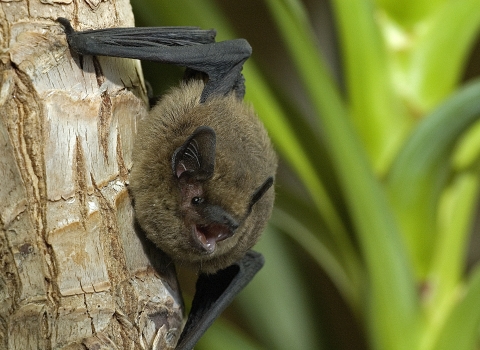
x,y
259,192
196,157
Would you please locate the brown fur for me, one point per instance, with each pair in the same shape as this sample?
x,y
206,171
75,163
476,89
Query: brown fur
x,y
244,160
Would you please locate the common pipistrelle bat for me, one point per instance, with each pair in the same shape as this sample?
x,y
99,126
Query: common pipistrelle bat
x,y
202,176
203,163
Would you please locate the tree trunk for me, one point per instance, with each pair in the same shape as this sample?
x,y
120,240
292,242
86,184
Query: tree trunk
x,y
74,272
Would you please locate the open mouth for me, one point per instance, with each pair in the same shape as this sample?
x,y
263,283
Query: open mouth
x,y
207,236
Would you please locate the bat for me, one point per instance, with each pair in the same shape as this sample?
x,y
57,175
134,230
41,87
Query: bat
x,y
204,166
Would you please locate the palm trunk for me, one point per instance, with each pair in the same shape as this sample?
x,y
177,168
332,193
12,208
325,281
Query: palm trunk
x,y
74,272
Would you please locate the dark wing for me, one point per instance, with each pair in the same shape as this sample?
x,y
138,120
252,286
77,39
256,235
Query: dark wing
x,y
214,293
183,46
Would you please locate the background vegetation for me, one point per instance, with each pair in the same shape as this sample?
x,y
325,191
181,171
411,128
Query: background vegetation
x,y
372,108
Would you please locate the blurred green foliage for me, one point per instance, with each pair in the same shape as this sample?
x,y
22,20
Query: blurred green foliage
x,y
378,187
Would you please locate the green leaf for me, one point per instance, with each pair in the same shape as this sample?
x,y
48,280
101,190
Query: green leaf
x,y
221,335
275,301
348,282
457,208
393,309
460,331
455,217
419,173
408,12
440,51
378,114
467,151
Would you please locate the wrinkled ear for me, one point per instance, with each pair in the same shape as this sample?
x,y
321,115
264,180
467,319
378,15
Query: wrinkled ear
x,y
259,192
196,157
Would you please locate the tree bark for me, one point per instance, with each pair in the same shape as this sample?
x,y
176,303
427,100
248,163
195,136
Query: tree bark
x,y
74,271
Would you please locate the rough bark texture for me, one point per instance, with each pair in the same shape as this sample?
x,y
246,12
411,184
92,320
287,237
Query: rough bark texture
x,y
74,273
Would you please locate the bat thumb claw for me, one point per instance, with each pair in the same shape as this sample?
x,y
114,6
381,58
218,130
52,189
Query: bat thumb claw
x,y
66,25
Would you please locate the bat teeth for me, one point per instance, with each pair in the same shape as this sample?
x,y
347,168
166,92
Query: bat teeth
x,y
208,235
203,239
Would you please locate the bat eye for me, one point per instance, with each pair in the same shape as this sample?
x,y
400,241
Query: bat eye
x,y
197,200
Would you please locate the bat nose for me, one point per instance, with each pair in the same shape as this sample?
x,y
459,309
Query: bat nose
x,y
217,215
234,226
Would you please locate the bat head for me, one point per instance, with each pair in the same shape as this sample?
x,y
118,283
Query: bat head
x,y
193,164
202,178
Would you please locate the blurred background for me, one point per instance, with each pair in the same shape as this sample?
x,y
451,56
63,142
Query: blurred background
x,y
373,241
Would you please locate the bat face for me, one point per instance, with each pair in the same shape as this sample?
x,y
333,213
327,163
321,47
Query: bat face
x,y
202,177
